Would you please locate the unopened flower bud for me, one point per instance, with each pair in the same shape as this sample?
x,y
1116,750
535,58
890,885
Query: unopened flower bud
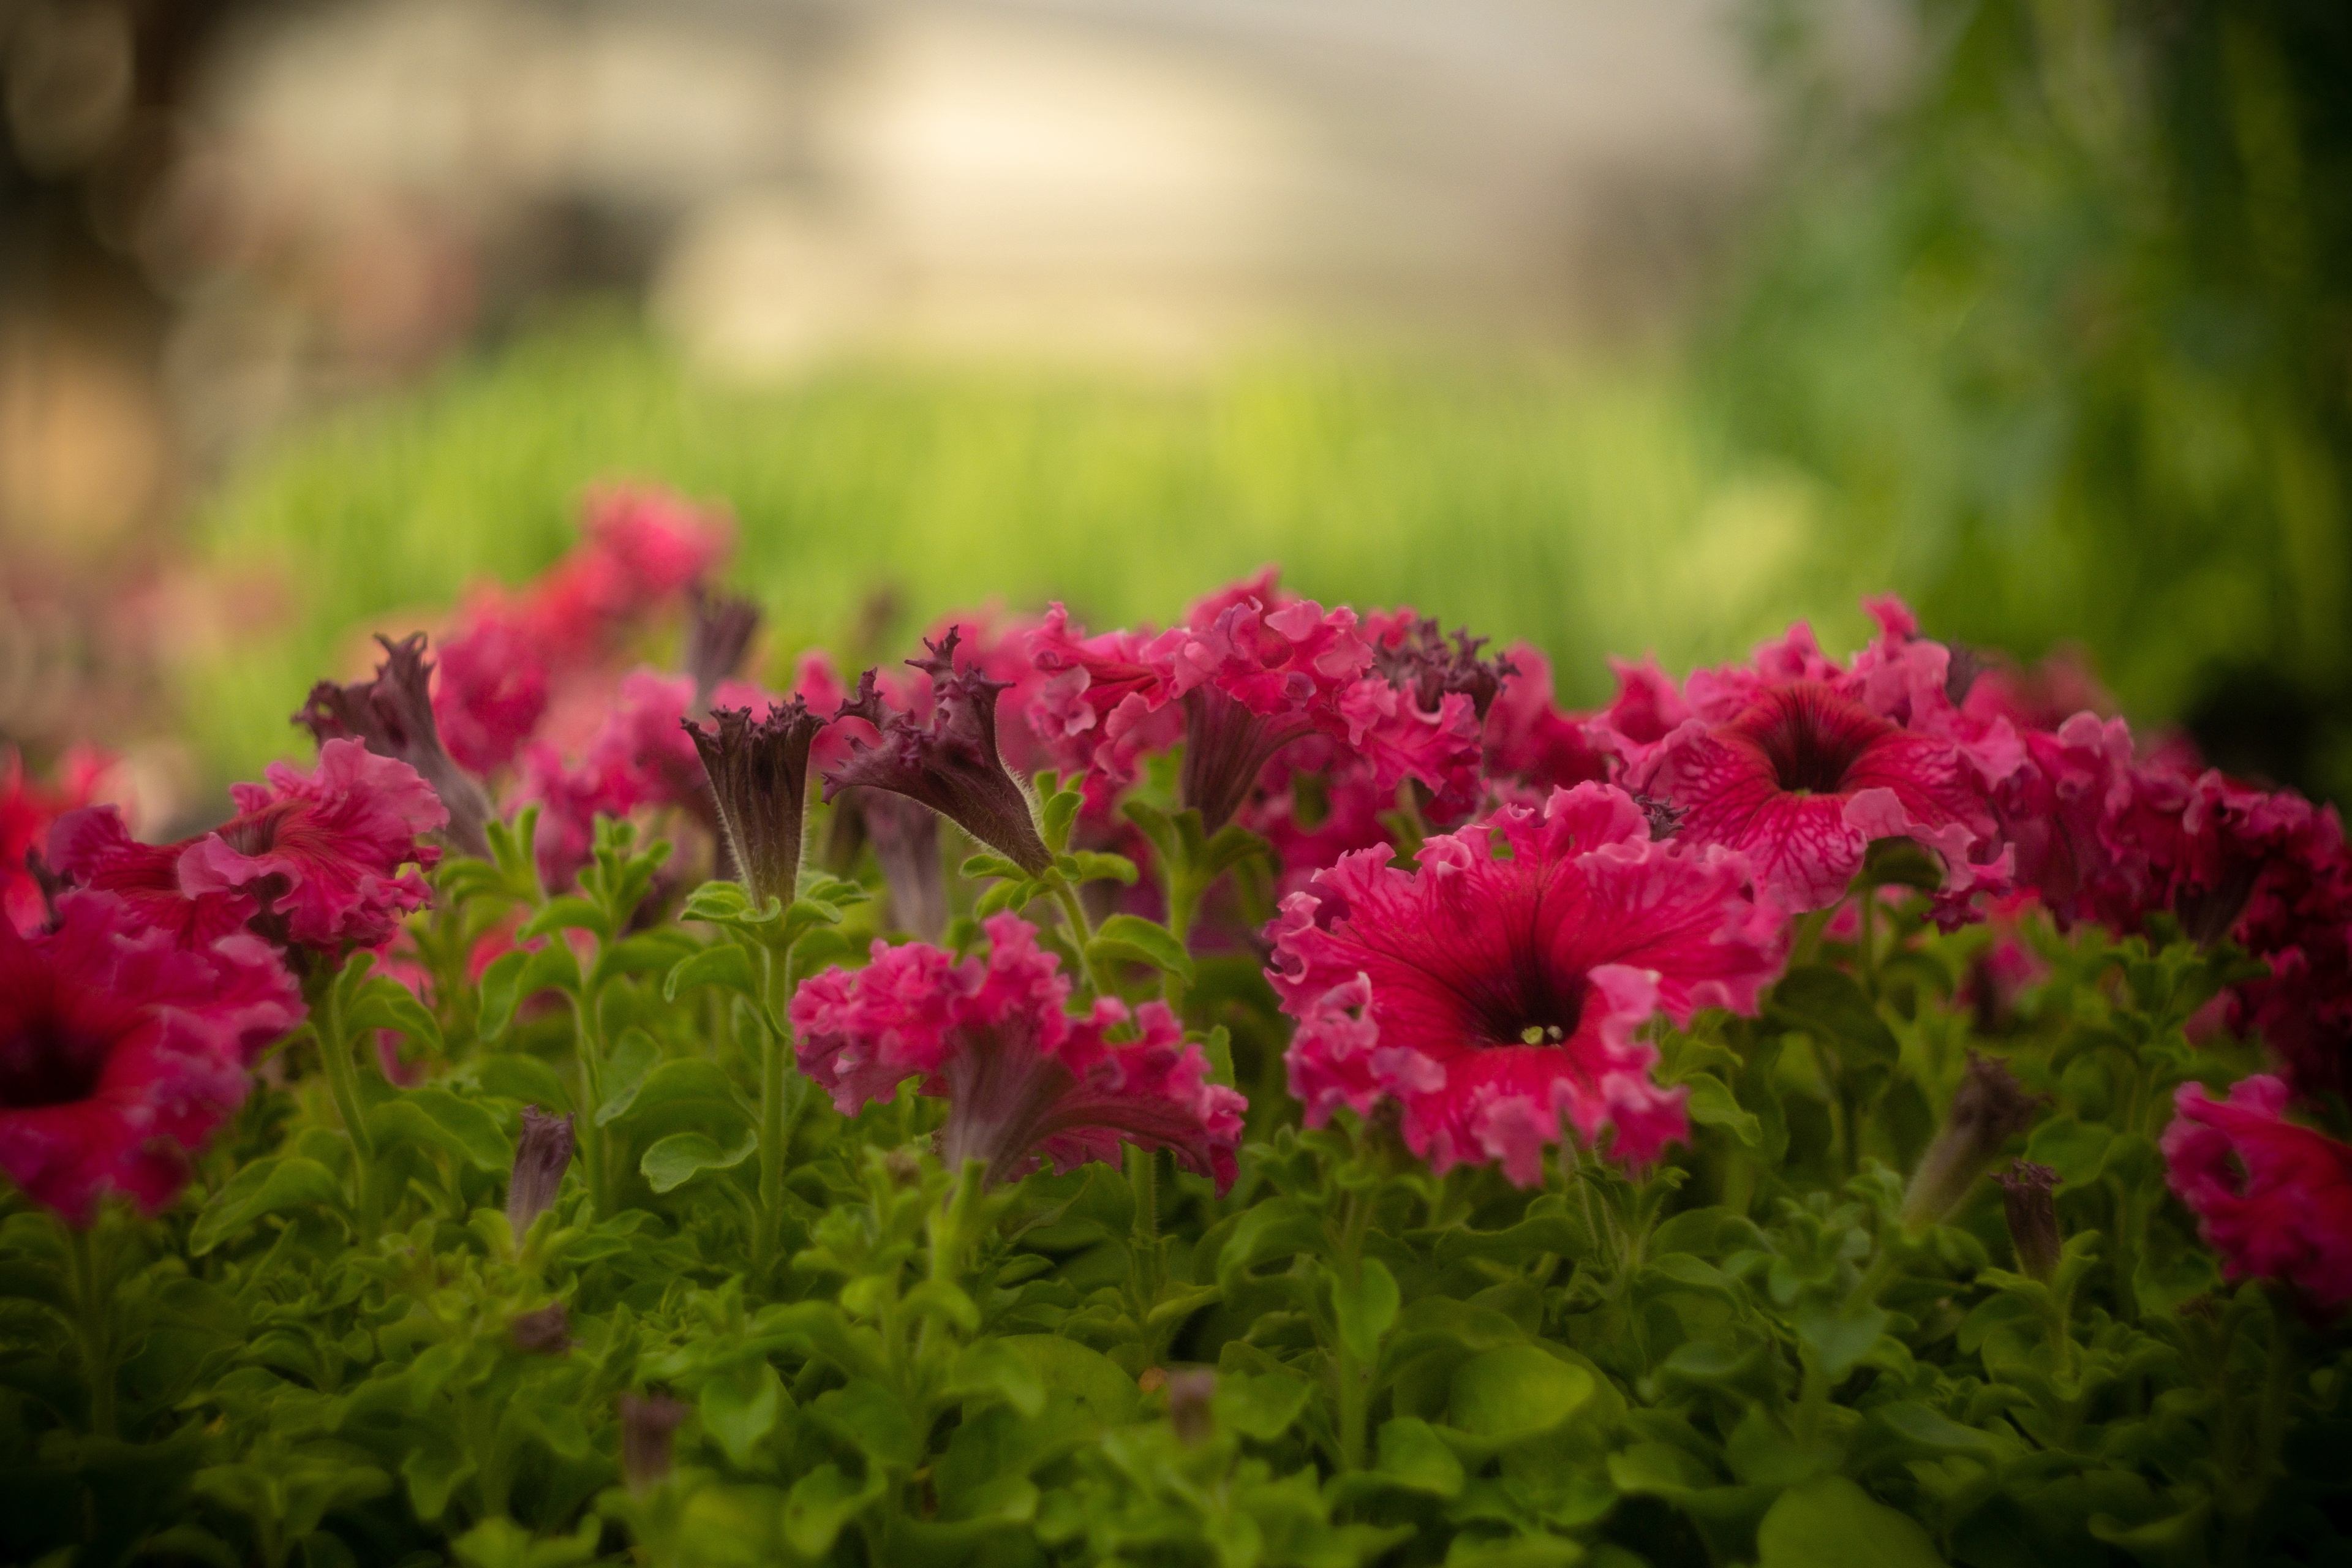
x,y
646,1426
718,632
950,764
2027,1193
542,1156
392,716
547,1331
758,780
1189,1405
1988,1109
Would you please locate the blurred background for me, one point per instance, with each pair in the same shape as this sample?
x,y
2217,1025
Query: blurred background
x,y
1621,327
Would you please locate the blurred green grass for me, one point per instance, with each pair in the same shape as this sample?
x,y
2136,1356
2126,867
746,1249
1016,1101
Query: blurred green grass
x,y
1590,511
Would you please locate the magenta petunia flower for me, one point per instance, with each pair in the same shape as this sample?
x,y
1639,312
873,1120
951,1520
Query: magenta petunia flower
x,y
1023,1079
1800,764
121,1051
1529,737
1495,992
93,849
2275,1199
328,855
1104,703
27,813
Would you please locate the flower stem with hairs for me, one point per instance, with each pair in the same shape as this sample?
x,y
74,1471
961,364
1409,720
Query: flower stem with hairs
x,y
93,1296
335,1048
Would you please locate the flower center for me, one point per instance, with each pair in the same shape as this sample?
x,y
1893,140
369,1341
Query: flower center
x,y
45,1060
1537,1008
1810,737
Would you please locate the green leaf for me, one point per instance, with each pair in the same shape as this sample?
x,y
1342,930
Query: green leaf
x,y
1100,865
569,912
1831,1520
267,1186
726,964
503,1543
740,1406
435,1118
386,1004
1262,1405
2076,1150
1085,1389
688,1094
1365,1309
1832,1006
677,1159
1840,1340
821,1502
511,1075
1515,1392
988,1368
434,1467
515,977
1060,810
1415,1457
1712,1104
1133,939
634,1056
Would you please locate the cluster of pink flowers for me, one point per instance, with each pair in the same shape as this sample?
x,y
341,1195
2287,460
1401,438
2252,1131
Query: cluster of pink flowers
x,y
138,991
1483,899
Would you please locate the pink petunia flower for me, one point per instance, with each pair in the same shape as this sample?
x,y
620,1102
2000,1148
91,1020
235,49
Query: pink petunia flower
x,y
1495,992
27,810
121,1051
1104,703
500,672
93,849
1800,764
2275,1199
1023,1079
1529,738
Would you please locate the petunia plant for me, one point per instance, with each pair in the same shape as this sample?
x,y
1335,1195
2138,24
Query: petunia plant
x,y
1276,1089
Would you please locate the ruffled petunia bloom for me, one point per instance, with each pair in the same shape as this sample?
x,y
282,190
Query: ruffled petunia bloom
x,y
950,764
1023,1079
1529,739
2275,1199
513,652
1800,764
27,811
1104,703
121,1051
392,716
1497,992
323,860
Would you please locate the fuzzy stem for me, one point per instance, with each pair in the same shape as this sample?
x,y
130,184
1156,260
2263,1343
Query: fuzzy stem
x,y
92,1298
343,1083
1355,1381
773,1121
1082,932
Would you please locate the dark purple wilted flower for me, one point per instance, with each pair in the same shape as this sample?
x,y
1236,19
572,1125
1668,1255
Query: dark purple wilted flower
x,y
646,1426
950,764
906,839
541,1156
758,780
1988,1109
547,1331
2028,1195
1414,655
1190,1409
392,716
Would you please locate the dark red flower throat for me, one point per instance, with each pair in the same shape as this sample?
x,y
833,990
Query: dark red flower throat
x,y
1810,736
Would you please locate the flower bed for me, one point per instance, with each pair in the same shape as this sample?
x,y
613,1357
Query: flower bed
x,y
1272,1091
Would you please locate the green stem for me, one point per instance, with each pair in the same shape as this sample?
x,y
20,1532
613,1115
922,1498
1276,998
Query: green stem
x,y
92,1298
596,1162
773,1122
1355,1380
2283,1371
343,1082
1082,932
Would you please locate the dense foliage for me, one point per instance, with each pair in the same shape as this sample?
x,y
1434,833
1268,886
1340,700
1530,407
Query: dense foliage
x,y
1338,1108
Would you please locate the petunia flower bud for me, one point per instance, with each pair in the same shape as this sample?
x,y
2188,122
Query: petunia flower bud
x,y
547,1331
952,765
1190,1410
392,716
2027,1195
541,1156
1988,1109
646,1427
906,839
758,779
718,633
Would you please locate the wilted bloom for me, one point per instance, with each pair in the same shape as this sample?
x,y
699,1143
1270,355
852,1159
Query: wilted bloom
x,y
1023,1079
2275,1199
547,1331
121,1050
543,1155
2027,1199
950,764
393,715
1989,1108
718,632
1800,763
1495,992
758,782
905,840
1190,1405
647,1424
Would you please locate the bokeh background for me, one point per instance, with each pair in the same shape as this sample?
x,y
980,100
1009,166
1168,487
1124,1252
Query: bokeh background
x,y
1621,327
